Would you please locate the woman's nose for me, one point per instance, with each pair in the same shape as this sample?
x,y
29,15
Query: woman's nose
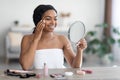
x,y
53,22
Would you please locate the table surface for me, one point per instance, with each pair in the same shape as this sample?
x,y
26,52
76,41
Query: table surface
x,y
98,73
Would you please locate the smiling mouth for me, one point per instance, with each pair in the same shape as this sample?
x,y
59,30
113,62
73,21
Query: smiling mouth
x,y
52,27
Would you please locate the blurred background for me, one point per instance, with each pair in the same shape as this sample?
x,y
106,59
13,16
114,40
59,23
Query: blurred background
x,y
101,19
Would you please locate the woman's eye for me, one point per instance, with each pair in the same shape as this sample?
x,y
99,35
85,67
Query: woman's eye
x,y
47,18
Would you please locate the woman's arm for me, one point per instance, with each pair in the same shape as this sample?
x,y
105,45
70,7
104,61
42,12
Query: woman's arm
x,y
75,60
27,52
29,45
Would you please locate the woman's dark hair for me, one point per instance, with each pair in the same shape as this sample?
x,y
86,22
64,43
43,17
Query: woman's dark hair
x,y
39,11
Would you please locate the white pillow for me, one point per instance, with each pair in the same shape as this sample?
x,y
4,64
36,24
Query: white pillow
x,y
15,38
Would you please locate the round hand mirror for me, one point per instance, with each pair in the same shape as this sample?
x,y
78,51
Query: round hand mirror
x,y
76,31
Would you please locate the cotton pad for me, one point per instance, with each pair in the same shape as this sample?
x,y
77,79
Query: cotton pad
x,y
68,73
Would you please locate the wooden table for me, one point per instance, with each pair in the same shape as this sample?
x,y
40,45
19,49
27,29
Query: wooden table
x,y
98,73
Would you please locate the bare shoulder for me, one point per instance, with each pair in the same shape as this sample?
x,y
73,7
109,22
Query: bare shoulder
x,y
63,38
27,38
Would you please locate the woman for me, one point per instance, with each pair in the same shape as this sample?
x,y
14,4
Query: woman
x,y
45,46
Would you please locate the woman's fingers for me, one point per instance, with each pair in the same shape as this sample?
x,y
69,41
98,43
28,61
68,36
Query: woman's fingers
x,y
82,44
40,25
39,29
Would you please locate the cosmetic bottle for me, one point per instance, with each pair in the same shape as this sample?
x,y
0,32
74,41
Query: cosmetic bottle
x,y
45,69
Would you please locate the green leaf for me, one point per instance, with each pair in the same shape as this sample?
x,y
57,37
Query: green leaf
x,y
104,25
91,33
118,41
110,40
95,41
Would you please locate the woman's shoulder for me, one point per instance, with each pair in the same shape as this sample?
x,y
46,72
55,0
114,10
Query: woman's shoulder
x,y
63,40
61,37
27,37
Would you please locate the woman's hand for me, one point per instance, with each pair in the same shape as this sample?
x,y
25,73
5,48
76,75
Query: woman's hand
x,y
39,29
82,44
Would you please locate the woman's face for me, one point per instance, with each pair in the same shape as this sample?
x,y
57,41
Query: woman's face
x,y
50,18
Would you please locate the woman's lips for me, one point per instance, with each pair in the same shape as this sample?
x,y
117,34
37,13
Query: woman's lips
x,y
52,27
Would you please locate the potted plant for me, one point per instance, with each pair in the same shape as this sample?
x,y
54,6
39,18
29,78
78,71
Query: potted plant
x,y
101,45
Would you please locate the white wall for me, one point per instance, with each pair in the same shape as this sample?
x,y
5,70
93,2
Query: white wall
x,y
116,24
91,12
